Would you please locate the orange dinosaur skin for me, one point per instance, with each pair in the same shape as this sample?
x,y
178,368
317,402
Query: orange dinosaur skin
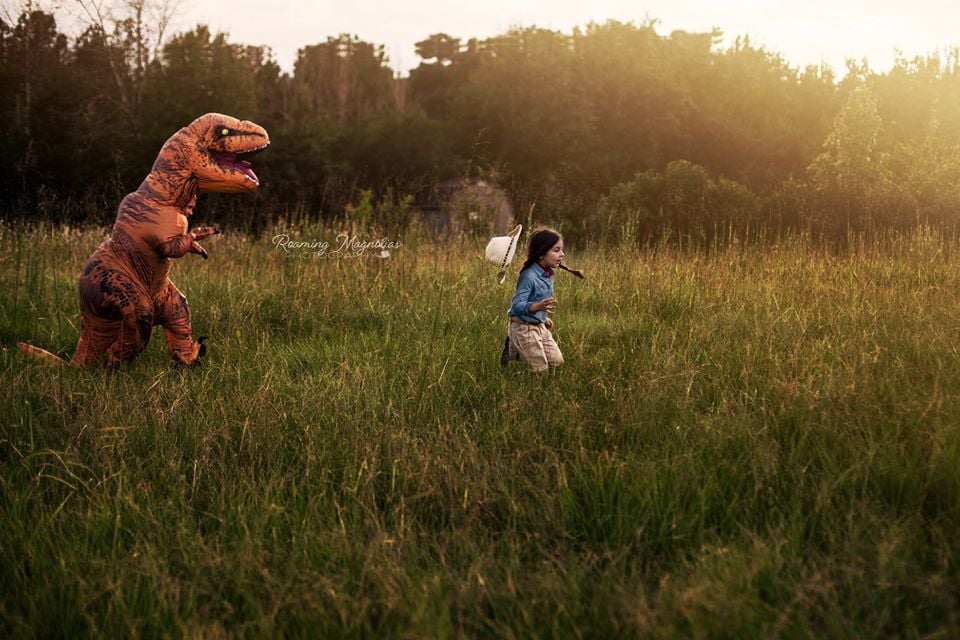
x,y
125,288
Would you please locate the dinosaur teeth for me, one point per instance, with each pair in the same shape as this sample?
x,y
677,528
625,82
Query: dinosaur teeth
x,y
251,152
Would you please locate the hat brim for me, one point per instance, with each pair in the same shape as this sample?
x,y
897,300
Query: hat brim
x,y
501,249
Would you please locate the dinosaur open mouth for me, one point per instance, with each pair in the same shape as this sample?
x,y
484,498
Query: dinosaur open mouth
x,y
238,162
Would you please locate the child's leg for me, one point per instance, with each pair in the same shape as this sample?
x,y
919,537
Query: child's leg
x,y
512,351
551,350
526,340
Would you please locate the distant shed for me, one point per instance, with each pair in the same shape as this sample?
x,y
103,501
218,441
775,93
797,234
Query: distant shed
x,y
467,205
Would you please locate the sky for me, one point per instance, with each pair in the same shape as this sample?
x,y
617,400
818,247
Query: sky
x,y
804,32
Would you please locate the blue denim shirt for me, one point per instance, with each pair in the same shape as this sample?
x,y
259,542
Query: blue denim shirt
x,y
533,285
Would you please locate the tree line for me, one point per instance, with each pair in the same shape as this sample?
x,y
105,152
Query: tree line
x,y
609,127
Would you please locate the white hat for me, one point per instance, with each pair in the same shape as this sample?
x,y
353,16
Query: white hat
x,y
500,251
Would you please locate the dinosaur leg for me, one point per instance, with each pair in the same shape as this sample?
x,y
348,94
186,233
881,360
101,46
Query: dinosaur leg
x,y
115,311
133,333
173,314
95,336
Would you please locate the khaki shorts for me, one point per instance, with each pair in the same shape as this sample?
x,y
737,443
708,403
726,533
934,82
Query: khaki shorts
x,y
534,344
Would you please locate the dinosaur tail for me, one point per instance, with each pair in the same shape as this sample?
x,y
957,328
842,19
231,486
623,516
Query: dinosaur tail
x,y
37,352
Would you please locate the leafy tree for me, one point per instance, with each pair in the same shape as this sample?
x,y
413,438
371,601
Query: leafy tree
x,y
434,86
852,176
101,122
439,46
36,124
683,201
343,78
749,118
612,124
133,32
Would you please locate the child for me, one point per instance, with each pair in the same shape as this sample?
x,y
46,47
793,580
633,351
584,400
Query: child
x,y
529,337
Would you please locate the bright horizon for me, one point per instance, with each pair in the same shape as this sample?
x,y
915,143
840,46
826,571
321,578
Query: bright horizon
x,y
809,33
805,33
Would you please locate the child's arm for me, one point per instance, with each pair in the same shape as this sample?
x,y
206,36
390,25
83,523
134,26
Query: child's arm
x,y
520,305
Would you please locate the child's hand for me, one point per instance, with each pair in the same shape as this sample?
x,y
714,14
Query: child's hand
x,y
549,324
547,304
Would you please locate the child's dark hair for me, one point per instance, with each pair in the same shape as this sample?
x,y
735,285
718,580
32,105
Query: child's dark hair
x,y
541,241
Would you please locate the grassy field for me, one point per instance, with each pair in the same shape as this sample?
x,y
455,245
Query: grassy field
x,y
748,442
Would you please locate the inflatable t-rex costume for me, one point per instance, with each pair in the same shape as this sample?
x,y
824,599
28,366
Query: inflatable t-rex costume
x,y
125,289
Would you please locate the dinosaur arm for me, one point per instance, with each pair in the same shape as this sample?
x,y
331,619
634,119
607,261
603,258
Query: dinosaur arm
x,y
176,246
180,245
204,232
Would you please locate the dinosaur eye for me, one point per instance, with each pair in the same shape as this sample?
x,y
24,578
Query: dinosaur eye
x,y
223,131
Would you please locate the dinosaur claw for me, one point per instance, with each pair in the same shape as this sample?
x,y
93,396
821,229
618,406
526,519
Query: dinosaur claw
x,y
203,347
196,248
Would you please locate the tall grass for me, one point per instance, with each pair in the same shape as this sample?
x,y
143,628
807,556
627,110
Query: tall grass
x,y
758,441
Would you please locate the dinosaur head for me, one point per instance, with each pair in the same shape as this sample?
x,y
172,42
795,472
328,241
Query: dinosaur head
x,y
218,148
